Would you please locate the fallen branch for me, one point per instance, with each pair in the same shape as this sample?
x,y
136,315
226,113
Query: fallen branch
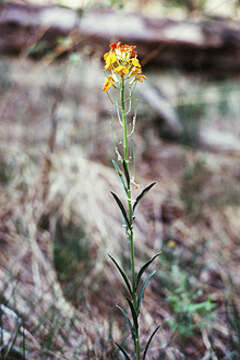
x,y
205,137
191,45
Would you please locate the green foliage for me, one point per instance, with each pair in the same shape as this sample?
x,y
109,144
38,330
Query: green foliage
x,y
116,3
194,179
5,173
149,342
74,58
142,289
197,193
123,211
5,76
135,303
144,268
190,5
135,292
39,48
123,352
66,41
123,274
190,313
12,350
190,113
55,322
120,175
71,259
119,4
141,195
233,319
47,330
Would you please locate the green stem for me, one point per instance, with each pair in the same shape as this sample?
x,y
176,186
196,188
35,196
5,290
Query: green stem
x,y
130,210
124,123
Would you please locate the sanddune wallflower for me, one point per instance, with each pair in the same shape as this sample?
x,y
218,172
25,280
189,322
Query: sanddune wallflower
x,y
122,61
125,70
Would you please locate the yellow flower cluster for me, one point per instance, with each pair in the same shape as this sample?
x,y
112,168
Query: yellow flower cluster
x,y
122,60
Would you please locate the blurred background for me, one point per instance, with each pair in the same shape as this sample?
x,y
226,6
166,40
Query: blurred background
x,y
57,138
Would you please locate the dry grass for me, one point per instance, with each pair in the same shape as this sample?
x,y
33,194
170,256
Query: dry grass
x,y
55,184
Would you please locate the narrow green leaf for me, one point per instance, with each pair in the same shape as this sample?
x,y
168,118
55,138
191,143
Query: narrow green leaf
x,y
140,196
124,276
123,351
236,318
128,321
141,292
134,314
123,211
126,173
143,268
119,172
149,342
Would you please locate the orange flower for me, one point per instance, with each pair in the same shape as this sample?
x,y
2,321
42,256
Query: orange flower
x,y
113,46
139,78
109,81
122,61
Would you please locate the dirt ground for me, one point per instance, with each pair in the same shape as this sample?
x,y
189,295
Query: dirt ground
x,y
58,223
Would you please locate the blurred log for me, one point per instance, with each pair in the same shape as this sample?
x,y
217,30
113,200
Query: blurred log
x,y
214,140
205,137
191,45
160,104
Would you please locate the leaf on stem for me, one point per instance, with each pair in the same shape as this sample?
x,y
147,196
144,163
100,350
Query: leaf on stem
x,y
128,321
143,268
140,196
124,276
123,211
126,173
118,170
134,314
123,351
141,292
149,342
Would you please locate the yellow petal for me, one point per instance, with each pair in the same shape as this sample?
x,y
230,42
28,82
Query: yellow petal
x,y
113,57
122,69
118,68
106,56
125,71
136,63
110,58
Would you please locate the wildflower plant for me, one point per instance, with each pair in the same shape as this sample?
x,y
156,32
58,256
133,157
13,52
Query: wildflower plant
x,y
123,71
190,313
